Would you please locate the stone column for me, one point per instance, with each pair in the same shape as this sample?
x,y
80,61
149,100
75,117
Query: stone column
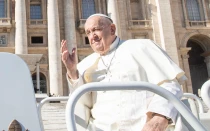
x,y
100,5
166,29
44,8
55,70
143,6
37,77
112,10
69,23
205,13
185,13
207,60
21,30
153,15
8,8
186,69
204,10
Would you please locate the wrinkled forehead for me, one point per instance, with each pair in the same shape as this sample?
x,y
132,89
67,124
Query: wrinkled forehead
x,y
94,21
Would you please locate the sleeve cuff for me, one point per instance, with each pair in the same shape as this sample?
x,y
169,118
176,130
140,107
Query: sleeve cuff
x,y
73,84
172,115
162,106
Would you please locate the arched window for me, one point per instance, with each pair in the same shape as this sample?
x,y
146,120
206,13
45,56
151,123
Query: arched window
x,y
193,10
2,8
88,8
198,69
43,83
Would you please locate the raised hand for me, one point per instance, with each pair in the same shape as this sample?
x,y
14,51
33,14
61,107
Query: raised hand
x,y
69,60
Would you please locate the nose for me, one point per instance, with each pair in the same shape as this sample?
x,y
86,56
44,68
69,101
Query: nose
x,y
92,35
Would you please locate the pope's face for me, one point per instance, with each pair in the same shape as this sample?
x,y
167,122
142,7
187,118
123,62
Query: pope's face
x,y
100,34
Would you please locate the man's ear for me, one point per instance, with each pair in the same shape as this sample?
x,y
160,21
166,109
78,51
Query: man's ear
x,y
113,29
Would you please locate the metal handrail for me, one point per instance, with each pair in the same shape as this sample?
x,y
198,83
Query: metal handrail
x,y
192,96
184,111
205,93
48,99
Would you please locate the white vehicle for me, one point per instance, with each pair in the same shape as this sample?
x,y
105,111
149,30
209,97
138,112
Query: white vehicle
x,y
18,103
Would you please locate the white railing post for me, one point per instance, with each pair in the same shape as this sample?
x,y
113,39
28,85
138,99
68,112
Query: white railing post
x,y
192,96
205,93
48,99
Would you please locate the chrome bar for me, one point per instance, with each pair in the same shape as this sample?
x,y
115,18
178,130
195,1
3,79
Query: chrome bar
x,y
192,96
205,93
48,99
184,111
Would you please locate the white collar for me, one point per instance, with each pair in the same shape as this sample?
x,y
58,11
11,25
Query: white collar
x,y
114,44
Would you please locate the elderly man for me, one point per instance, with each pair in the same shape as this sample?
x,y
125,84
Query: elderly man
x,y
118,60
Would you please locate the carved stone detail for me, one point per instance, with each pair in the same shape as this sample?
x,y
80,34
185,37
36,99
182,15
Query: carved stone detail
x,y
44,59
185,56
15,126
184,52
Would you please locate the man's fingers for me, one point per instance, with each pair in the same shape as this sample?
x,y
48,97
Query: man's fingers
x,y
65,55
73,50
73,53
63,46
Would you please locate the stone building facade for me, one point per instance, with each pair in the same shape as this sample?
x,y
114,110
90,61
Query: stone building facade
x,y
33,30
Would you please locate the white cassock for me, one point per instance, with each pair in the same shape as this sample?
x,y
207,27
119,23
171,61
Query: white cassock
x,y
131,60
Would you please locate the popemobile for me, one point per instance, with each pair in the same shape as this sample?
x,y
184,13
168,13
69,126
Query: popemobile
x,y
19,110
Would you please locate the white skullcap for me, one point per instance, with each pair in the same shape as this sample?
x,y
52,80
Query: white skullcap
x,y
98,14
